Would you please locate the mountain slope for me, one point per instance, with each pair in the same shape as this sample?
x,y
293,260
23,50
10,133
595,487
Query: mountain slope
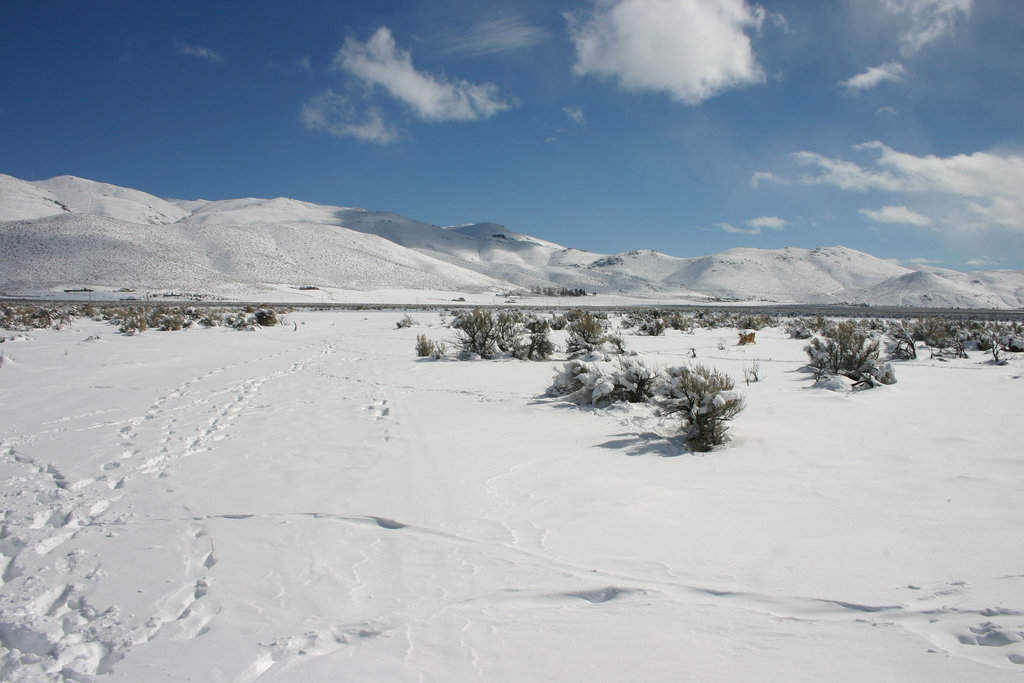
x,y
21,200
798,275
70,232
102,199
75,250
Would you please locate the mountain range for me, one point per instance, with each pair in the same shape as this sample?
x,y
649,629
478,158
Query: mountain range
x,y
68,232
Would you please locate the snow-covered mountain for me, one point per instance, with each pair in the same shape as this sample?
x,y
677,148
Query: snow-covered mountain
x,y
67,232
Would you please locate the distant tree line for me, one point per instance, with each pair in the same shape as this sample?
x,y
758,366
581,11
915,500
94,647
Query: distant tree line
x,y
562,291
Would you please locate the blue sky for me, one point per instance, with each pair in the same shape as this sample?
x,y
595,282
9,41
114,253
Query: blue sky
x,y
685,126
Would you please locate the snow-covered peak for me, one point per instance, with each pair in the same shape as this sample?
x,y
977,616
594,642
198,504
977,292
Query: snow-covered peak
x,y
59,229
103,199
252,211
21,200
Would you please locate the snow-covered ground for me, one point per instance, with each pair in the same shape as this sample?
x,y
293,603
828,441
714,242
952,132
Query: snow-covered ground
x,y
313,503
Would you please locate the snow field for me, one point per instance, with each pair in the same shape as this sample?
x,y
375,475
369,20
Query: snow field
x,y
318,504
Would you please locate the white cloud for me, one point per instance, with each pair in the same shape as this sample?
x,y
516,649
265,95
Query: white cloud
x,y
765,176
575,114
983,261
772,222
498,35
754,225
886,111
198,52
984,187
727,227
690,49
334,114
305,65
926,20
876,75
896,214
379,62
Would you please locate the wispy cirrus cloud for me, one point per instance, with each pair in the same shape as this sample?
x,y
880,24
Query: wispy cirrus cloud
x,y
874,76
925,21
575,114
199,52
690,49
498,35
336,115
896,214
772,222
754,226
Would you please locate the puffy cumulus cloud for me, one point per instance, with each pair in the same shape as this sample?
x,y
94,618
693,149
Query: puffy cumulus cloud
x,y
379,62
926,20
896,214
335,114
984,187
876,75
199,52
498,35
690,49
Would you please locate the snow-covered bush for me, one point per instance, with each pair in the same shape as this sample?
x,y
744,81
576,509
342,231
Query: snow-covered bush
x,y
428,348
635,382
652,327
803,328
36,317
538,345
265,317
945,337
648,322
586,333
851,352
406,321
901,344
508,330
752,321
752,373
130,321
575,381
706,400
475,333
617,343
677,321
586,384
168,321
487,334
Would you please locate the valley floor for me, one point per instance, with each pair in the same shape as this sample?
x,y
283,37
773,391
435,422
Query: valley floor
x,y
313,503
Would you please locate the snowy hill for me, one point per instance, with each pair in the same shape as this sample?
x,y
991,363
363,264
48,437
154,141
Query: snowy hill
x,y
91,251
68,232
21,200
797,275
101,199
